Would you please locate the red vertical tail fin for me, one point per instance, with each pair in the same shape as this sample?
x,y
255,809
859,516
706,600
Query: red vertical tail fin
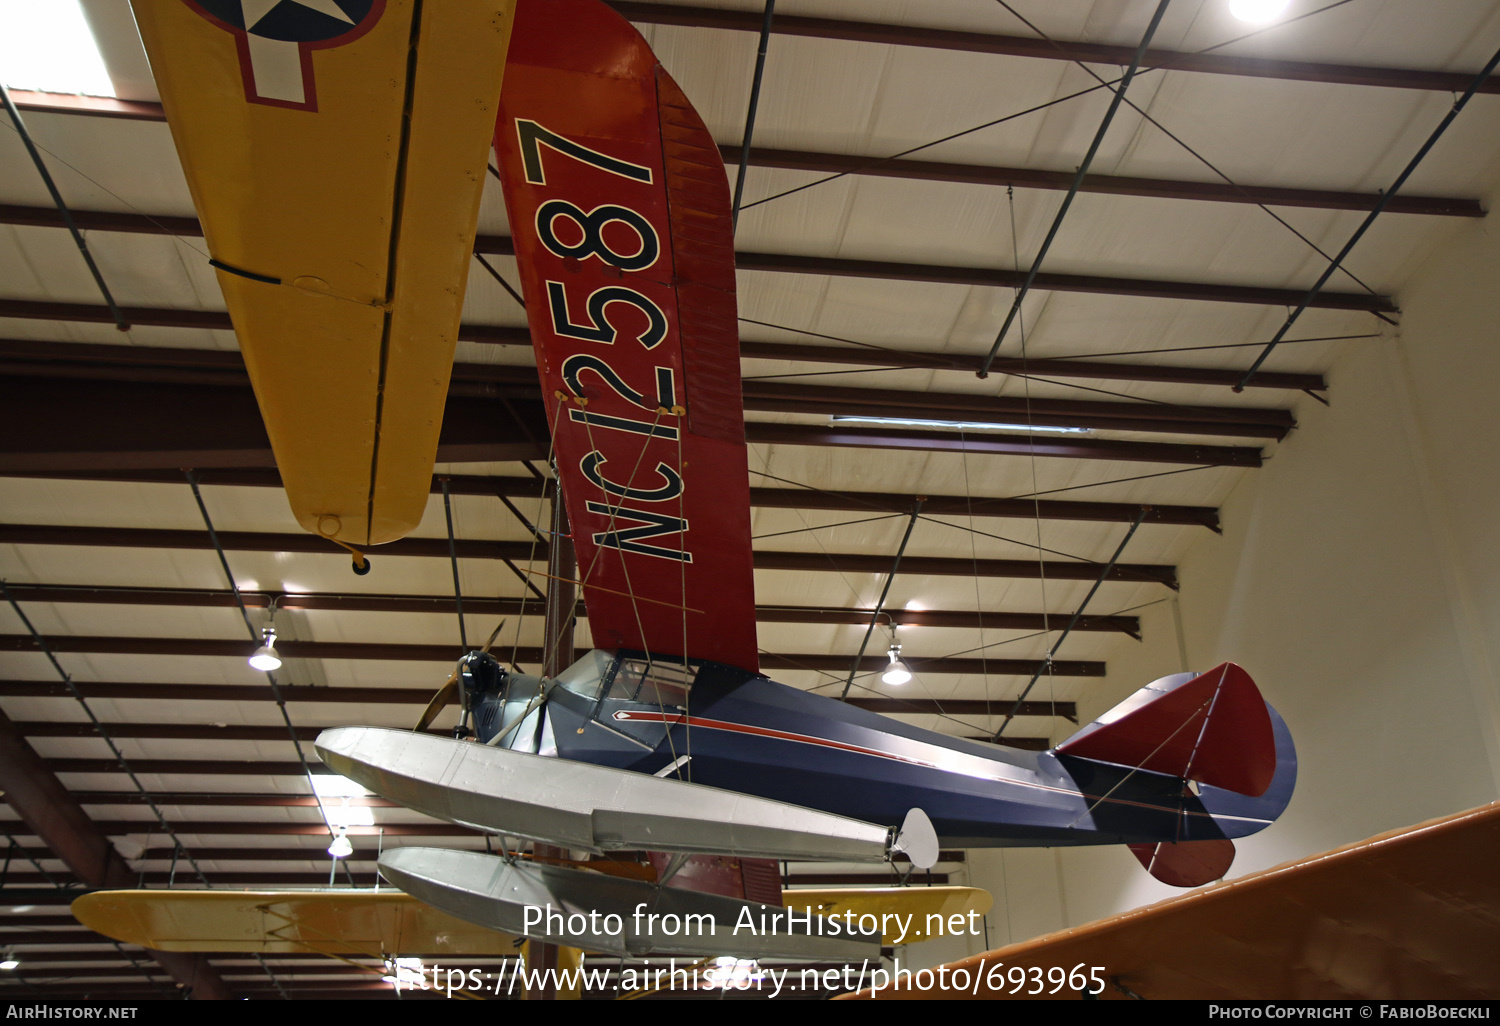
x,y
1213,728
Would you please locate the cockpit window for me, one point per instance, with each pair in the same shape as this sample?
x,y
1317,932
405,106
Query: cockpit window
x,y
653,683
583,677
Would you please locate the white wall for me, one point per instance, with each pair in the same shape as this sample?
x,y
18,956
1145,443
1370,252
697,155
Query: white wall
x,y
1358,580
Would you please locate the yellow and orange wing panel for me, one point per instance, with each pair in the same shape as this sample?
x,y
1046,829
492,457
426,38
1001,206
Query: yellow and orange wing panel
x,y
336,153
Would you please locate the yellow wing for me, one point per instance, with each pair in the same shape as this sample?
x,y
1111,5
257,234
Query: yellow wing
x,y
329,922
337,165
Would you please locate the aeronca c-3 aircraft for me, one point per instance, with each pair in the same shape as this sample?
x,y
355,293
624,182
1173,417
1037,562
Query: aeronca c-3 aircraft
x,y
665,737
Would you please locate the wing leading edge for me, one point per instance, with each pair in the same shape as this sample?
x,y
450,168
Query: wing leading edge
x,y
619,208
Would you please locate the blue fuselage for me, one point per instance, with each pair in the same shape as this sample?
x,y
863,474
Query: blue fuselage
x,y
743,732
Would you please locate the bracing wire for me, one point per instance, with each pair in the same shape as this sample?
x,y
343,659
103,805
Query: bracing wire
x,y
286,718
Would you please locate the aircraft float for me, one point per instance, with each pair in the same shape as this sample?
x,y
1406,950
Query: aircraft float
x,y
665,737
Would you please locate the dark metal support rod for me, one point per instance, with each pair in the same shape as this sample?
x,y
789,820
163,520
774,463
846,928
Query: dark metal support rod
x,y
760,67
1046,665
286,718
501,279
458,595
99,728
536,533
1359,232
62,208
1083,170
916,510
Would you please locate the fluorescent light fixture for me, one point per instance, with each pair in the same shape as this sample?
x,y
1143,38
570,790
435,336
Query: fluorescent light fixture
x,y
897,672
953,425
1257,12
266,657
331,785
343,816
47,47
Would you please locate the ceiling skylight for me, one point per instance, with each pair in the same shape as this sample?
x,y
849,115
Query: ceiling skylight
x,y
48,48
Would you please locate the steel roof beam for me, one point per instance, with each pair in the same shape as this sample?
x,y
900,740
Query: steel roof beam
x,y
77,361
1052,50
303,880
88,424
1007,278
1374,76
772,498
445,605
435,653
908,359
793,397
80,424
218,367
421,696
1117,96
199,768
875,166
1002,444
787,263
190,767
472,548
955,855
52,814
1108,185
207,366
1021,508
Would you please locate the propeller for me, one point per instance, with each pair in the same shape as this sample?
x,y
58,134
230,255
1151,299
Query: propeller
x,y
439,701
450,687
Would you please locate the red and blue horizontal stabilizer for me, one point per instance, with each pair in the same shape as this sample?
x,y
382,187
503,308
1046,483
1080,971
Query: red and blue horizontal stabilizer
x,y
1211,728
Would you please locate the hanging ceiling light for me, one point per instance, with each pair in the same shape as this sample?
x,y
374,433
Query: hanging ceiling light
x,y
898,672
341,848
266,657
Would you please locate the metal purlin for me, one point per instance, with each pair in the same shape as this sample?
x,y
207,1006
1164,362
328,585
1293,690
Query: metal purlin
x,y
1194,153
1162,66
458,595
1047,659
41,644
1083,170
62,208
916,511
274,981
1359,232
760,68
213,536
135,963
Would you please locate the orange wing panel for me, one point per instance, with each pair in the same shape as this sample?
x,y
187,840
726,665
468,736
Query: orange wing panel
x,y
1410,914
